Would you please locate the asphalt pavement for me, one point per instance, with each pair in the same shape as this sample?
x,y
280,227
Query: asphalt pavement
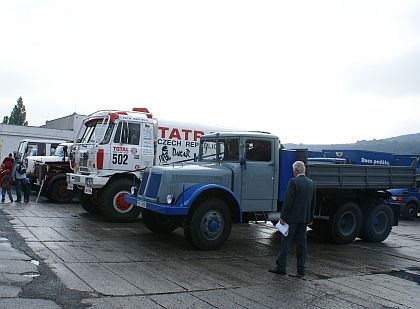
x,y
58,256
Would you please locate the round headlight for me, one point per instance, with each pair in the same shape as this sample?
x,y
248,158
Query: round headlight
x,y
169,198
133,190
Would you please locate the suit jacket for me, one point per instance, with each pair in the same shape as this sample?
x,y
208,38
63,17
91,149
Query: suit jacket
x,y
299,202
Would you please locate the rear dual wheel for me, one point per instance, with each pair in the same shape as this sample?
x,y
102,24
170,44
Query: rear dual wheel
x,y
346,223
377,223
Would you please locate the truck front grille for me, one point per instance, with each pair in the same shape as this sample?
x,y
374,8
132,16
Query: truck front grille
x,y
153,185
83,162
143,182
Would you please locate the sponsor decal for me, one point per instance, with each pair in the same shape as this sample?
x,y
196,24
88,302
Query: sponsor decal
x,y
120,148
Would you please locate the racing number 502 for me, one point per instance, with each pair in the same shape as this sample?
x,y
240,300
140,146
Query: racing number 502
x,y
119,158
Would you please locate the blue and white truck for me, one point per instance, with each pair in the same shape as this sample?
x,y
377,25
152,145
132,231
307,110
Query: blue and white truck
x,y
242,176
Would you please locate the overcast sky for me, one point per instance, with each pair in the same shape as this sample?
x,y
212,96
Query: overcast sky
x,y
308,71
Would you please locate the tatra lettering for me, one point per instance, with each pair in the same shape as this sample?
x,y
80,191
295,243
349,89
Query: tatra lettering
x,y
180,134
175,134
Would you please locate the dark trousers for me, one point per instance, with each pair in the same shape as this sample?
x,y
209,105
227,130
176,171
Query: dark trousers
x,y
297,231
18,186
3,194
21,184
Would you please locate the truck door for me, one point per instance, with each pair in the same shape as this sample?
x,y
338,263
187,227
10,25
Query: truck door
x,y
126,152
259,175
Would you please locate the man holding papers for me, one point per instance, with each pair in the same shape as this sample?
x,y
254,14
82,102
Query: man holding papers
x,y
298,212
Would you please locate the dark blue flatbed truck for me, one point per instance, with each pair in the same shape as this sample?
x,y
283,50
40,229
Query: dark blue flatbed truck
x,y
229,185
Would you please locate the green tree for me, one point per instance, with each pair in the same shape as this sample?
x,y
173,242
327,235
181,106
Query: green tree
x,y
18,115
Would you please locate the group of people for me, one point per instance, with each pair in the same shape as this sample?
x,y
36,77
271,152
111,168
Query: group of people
x,y
12,171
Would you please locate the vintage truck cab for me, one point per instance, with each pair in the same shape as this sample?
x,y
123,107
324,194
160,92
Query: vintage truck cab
x,y
236,175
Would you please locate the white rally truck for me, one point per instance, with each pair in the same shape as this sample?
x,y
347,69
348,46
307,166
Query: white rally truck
x,y
114,147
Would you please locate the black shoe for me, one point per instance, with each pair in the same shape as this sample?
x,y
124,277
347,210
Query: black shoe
x,y
277,271
301,273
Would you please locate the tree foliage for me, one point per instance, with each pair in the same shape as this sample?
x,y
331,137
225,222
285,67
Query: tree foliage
x,y
18,115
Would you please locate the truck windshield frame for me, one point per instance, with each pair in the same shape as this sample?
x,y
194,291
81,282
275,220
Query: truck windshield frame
x,y
219,149
95,131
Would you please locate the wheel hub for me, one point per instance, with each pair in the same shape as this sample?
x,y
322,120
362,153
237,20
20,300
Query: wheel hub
x,y
120,204
347,223
380,223
212,225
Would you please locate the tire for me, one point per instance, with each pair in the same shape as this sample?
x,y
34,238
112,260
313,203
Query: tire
x,y
346,223
58,192
88,202
112,204
157,223
377,224
209,225
410,211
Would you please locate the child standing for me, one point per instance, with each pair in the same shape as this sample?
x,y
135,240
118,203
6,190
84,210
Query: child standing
x,y
6,184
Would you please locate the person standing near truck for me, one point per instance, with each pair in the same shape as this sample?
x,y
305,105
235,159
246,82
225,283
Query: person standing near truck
x,y
297,211
8,161
6,183
19,177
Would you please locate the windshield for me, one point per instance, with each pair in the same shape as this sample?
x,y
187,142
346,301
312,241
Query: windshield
x,y
95,131
219,149
59,151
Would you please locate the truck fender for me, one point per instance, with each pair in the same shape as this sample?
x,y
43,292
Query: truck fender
x,y
192,194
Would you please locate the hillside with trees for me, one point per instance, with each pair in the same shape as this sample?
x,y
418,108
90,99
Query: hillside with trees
x,y
404,144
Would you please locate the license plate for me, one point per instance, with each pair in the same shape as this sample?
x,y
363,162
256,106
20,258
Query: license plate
x,y
88,185
141,204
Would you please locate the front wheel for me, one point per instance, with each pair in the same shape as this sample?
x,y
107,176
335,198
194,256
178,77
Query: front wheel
x,y
58,192
209,225
157,223
377,224
410,211
112,204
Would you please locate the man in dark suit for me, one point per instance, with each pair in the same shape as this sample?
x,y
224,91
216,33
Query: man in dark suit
x,y
297,211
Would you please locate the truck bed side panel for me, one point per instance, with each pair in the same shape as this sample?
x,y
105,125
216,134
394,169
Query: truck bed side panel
x,y
349,176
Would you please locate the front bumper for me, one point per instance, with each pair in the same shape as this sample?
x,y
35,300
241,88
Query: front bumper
x,y
82,180
164,209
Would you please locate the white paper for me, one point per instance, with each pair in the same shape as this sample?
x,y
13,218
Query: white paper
x,y
283,228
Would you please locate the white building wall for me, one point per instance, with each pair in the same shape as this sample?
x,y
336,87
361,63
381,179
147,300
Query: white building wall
x,y
70,122
11,135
